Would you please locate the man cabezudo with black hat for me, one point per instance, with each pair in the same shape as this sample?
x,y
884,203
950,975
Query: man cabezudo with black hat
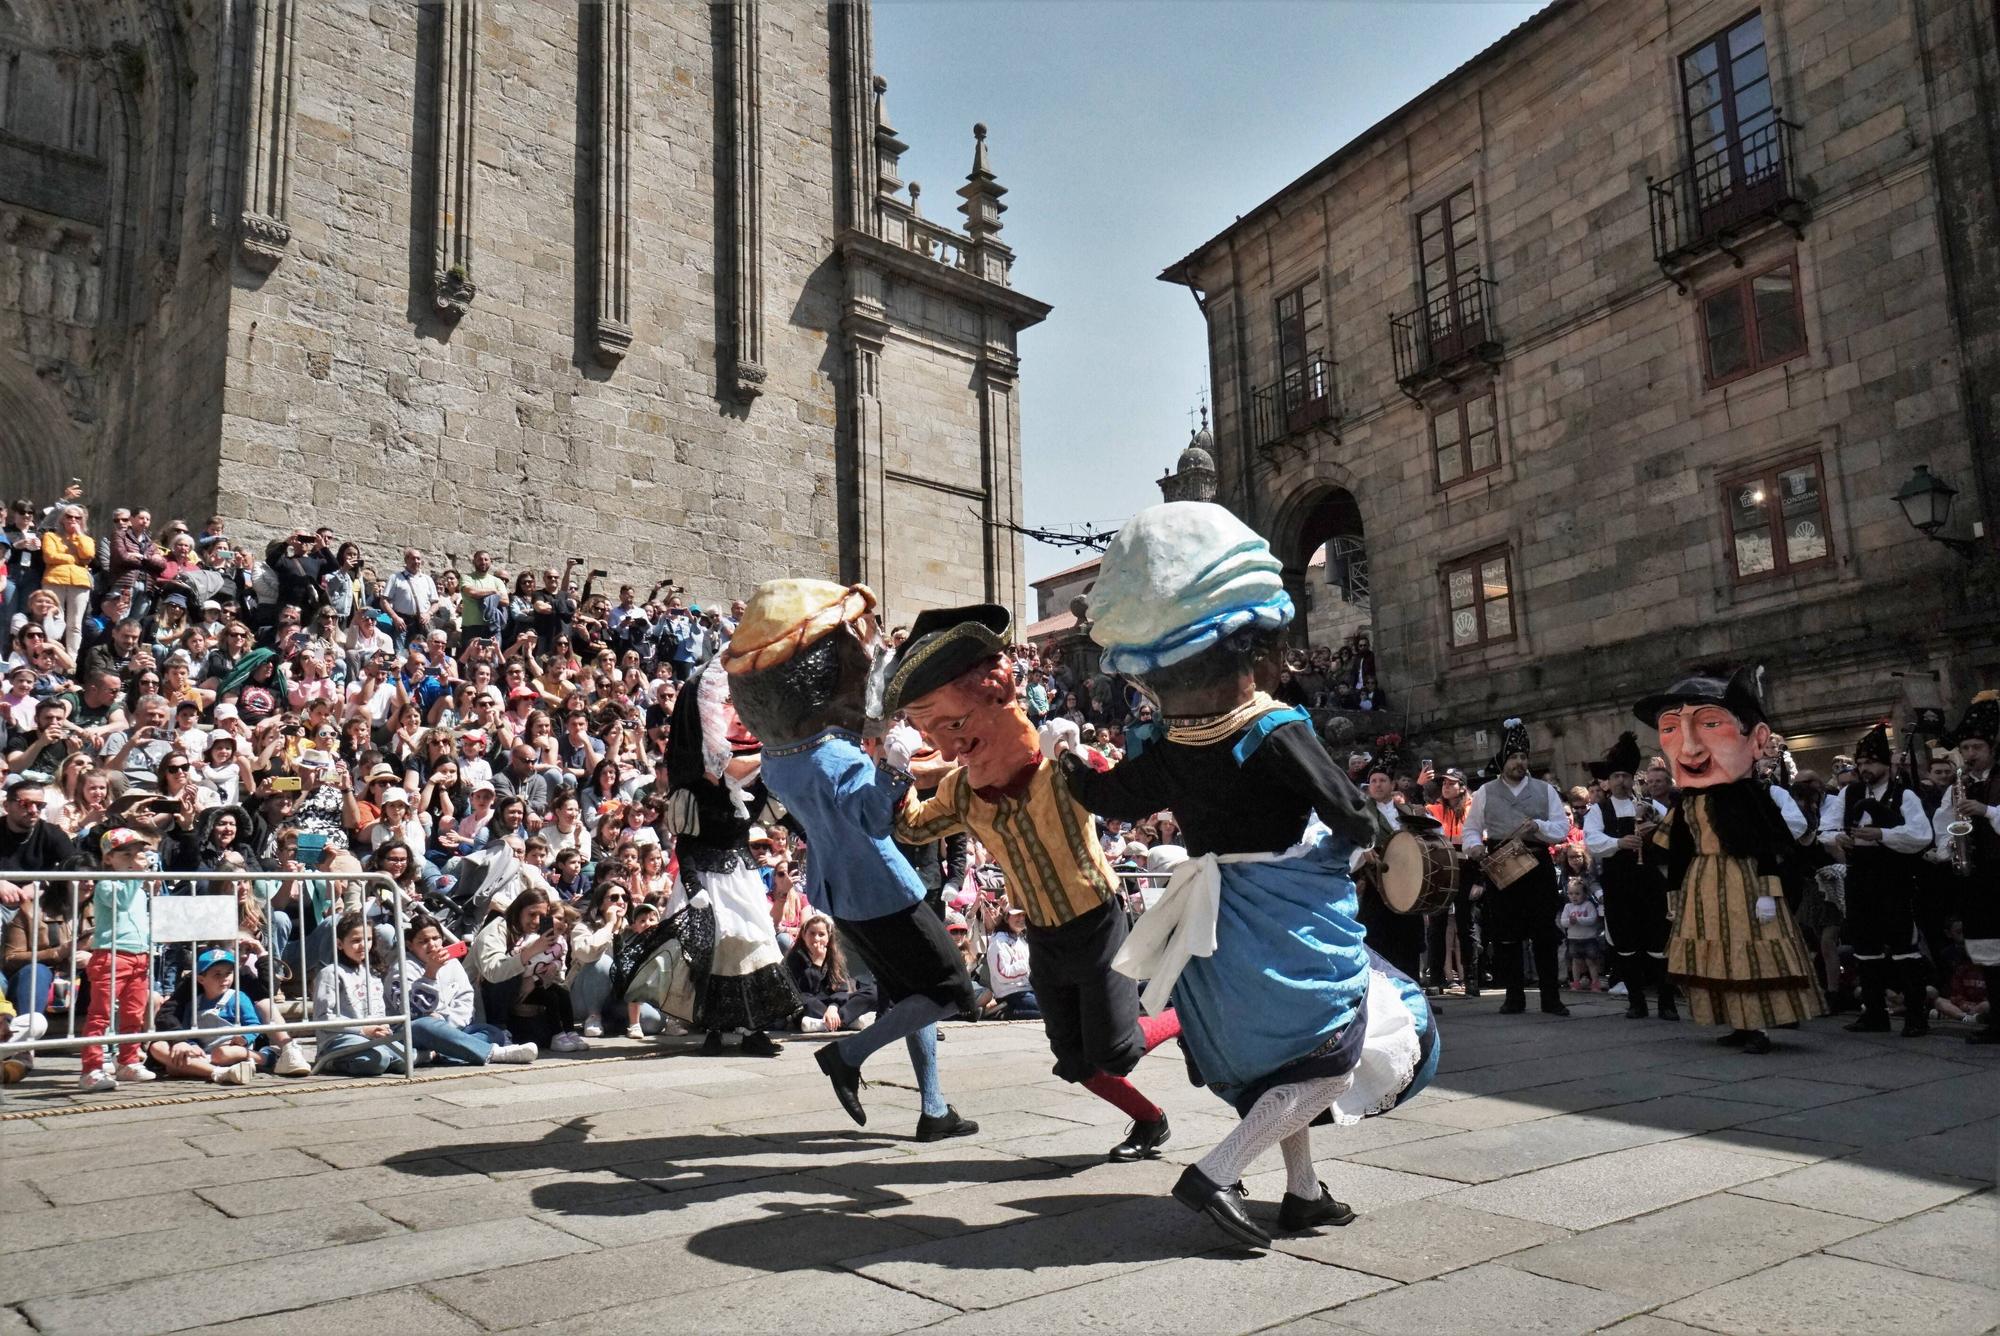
x,y
1878,824
951,678
1518,806
1978,802
1635,891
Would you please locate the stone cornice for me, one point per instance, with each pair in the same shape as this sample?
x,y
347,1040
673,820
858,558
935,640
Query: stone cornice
x,y
858,248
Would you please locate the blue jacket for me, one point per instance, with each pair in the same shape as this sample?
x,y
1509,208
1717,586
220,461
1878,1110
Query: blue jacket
x,y
847,805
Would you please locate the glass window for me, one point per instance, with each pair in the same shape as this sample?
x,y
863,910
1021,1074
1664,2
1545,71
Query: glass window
x,y
1479,600
1778,520
1755,322
1465,438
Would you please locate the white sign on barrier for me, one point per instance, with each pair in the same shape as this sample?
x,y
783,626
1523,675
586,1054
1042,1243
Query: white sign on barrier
x,y
194,918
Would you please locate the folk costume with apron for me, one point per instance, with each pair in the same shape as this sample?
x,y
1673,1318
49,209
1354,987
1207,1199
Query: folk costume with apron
x,y
1284,1011
1979,899
1735,951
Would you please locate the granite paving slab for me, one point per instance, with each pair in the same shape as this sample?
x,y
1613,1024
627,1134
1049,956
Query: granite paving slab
x,y
1960,1241
1416,1240
408,1311
1862,1188
1810,1296
1687,1248
1499,1152
1604,1188
769,1304
1479,1300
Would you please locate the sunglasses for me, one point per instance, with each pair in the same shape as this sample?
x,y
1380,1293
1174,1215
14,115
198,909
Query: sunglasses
x,y
619,898
180,769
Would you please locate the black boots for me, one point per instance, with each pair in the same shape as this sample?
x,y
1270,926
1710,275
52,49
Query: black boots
x,y
1874,1018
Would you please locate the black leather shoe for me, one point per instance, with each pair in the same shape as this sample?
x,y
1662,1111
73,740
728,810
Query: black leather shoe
x,y
1296,1213
1868,1023
1513,1006
1757,1042
711,1047
1734,1039
1220,1204
846,1080
1143,1142
1635,1006
946,1124
760,1045
1668,1011
1554,1007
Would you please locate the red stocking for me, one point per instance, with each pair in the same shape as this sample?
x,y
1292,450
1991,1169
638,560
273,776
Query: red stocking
x,y
1122,1095
1157,1030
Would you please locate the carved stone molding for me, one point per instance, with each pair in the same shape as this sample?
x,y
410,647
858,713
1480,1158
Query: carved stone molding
x,y
456,74
261,241
611,331
747,185
263,231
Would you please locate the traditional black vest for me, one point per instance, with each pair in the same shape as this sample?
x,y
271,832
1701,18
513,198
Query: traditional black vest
x,y
1873,860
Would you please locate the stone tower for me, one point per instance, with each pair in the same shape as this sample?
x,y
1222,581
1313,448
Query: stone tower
x,y
1193,478
636,282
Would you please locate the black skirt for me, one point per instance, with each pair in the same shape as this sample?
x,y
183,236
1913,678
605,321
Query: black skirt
x,y
910,954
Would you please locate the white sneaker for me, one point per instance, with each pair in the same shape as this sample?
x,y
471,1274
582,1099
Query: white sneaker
x,y
633,1031
671,1028
238,1074
128,1072
292,1061
569,1041
864,1020
812,1025
26,1029
593,1027
513,1053
92,1082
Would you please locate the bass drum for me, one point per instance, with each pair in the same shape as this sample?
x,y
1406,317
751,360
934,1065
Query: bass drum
x,y
1418,876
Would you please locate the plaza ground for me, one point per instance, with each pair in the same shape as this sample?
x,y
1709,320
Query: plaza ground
x,y
1563,1176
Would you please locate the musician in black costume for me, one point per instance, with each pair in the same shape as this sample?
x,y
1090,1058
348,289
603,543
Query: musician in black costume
x,y
1976,802
1877,822
1635,891
1517,806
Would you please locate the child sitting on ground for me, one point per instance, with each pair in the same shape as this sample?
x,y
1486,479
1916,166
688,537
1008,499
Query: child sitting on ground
x,y
232,1059
352,988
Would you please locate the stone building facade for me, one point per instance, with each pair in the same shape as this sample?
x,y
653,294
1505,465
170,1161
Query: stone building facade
x,y
636,282
1608,354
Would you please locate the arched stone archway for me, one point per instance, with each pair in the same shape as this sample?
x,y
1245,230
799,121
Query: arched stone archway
x,y
40,448
1320,537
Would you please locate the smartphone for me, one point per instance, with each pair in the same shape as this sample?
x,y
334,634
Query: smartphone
x,y
1428,764
544,923
290,784
312,844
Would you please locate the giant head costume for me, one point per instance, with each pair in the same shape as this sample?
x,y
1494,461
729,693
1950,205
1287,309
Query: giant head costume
x,y
952,679
799,661
1712,728
1187,599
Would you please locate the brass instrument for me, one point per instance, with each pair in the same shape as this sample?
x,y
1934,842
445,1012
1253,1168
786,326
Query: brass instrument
x,y
1959,829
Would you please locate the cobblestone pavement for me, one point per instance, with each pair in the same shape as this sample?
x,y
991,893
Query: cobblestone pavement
x,y
1593,1173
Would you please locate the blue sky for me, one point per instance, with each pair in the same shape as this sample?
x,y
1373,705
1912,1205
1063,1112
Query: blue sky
x,y
1127,134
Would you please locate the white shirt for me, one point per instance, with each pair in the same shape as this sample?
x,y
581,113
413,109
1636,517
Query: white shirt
x,y
1912,836
1600,843
1940,850
1391,813
1552,826
1788,808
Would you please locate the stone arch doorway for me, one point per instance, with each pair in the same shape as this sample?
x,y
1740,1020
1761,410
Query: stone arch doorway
x,y
1321,540
38,445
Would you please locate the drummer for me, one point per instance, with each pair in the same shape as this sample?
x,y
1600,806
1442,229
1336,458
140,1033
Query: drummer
x,y
1449,812
1397,938
1517,806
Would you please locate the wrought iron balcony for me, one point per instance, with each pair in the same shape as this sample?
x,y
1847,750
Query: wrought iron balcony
x,y
1302,397
1747,183
1451,331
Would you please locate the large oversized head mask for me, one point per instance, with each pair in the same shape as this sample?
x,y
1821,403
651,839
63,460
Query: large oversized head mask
x,y
1712,729
952,678
800,659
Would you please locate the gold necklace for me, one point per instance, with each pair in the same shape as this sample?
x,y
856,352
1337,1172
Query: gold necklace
x,y
1201,730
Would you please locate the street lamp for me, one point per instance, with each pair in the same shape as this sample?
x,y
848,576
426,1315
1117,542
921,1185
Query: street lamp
x,y
1926,502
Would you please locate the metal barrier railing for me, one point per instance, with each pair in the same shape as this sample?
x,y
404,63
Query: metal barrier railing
x,y
188,922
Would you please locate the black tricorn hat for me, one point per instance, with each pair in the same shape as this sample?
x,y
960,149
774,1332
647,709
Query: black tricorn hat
x,y
1741,693
1622,758
943,644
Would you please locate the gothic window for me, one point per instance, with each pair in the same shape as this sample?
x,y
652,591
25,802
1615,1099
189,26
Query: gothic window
x,y
1777,520
1479,599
